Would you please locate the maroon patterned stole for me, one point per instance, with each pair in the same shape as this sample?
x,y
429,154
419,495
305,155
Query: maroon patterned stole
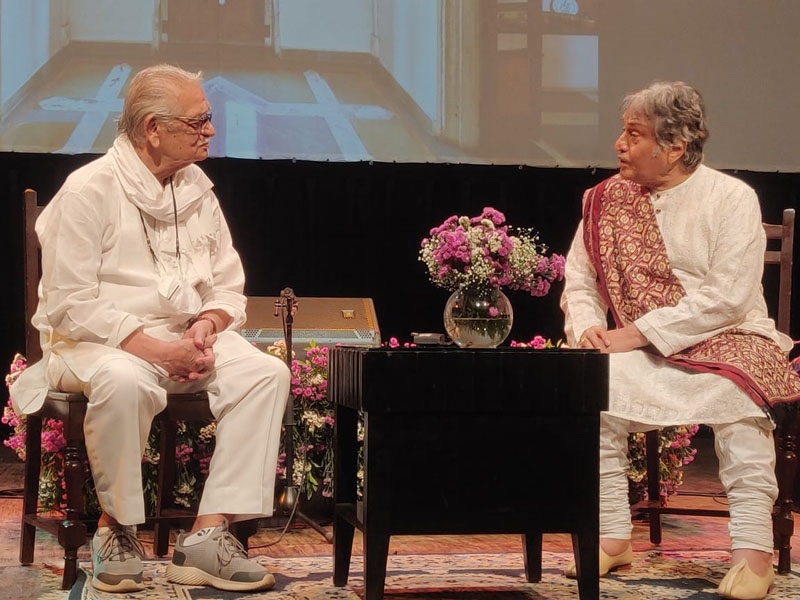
x,y
634,276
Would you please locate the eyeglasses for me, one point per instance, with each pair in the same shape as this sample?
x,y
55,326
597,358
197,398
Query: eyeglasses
x,y
196,123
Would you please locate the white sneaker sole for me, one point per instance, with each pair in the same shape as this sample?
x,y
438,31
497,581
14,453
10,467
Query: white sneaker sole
x,y
194,576
126,585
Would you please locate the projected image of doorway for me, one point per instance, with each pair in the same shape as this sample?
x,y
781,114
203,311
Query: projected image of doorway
x,y
388,80
302,79
540,81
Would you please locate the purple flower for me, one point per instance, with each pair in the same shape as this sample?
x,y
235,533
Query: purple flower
x,y
540,288
494,215
557,264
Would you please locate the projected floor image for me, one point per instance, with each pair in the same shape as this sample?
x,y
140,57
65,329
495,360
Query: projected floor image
x,y
310,113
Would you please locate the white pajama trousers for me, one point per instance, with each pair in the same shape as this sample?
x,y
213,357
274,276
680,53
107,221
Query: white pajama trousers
x,y
746,454
247,395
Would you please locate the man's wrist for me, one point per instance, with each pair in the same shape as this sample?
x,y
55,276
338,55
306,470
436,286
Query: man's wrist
x,y
637,336
210,318
148,348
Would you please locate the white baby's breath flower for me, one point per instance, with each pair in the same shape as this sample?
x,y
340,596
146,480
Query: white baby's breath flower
x,y
313,420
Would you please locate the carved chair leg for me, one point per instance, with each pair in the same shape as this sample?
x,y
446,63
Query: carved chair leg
x,y
786,470
242,530
72,531
653,485
30,500
166,483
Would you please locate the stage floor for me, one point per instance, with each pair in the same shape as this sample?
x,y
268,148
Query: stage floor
x,y
682,534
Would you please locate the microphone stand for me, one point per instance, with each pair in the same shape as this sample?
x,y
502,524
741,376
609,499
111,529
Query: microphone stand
x,y
289,501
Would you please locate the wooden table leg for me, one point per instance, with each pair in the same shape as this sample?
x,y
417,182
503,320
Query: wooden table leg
x,y
345,444
532,556
377,494
376,552
342,549
586,547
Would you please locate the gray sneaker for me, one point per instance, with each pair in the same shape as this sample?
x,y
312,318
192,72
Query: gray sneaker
x,y
117,560
212,556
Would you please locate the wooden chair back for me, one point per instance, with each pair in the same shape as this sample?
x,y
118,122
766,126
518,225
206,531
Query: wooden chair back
x,y
32,272
784,232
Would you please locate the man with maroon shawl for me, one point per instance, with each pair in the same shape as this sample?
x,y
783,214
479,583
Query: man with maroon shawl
x,y
674,250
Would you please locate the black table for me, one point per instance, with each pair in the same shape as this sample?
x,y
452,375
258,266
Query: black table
x,y
463,441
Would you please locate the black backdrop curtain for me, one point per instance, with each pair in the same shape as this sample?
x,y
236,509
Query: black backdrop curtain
x,y
354,229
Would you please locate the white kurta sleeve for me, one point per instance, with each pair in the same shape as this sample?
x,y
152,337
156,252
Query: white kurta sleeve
x,y
581,301
226,291
729,289
71,234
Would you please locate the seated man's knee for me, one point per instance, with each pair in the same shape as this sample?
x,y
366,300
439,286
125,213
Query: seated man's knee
x,y
123,381
272,369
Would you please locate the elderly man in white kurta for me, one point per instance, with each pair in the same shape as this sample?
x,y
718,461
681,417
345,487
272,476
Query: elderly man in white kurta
x,y
675,251
140,291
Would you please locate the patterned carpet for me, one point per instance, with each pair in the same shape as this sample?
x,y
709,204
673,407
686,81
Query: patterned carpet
x,y
655,576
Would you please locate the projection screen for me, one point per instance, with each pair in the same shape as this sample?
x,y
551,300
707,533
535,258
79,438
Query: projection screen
x,y
475,81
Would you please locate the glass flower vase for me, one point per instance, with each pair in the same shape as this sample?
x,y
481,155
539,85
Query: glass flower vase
x,y
478,319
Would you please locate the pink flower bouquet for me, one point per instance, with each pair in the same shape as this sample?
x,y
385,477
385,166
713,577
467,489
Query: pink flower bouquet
x,y
484,253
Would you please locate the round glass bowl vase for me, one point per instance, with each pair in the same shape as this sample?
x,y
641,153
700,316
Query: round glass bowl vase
x,y
478,320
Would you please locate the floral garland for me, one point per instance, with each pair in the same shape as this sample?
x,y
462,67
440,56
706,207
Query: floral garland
x,y
313,412
674,452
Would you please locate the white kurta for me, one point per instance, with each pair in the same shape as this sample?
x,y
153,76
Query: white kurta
x,y
100,283
711,226
99,280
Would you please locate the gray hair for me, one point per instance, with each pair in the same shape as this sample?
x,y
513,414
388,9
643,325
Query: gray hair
x,y
153,91
677,113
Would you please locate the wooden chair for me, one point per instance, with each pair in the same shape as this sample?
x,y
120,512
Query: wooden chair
x,y
786,417
70,408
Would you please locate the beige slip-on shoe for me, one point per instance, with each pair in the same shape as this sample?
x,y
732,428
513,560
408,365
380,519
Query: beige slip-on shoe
x,y
607,563
741,583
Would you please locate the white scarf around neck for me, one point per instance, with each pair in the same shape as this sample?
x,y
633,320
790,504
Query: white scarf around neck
x,y
146,192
